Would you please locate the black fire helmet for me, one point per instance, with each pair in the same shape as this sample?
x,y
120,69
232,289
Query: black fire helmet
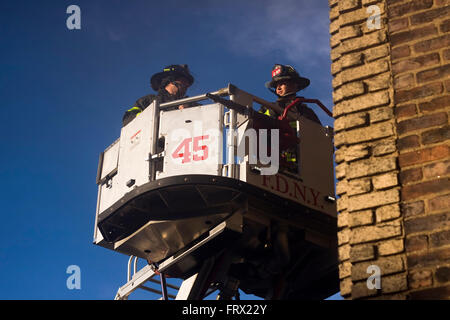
x,y
171,73
286,72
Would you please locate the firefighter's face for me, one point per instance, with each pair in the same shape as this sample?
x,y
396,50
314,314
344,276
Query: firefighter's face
x,y
285,86
178,87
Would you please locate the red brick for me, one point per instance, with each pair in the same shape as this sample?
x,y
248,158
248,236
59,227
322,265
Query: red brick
x,y
445,26
409,7
416,243
439,293
433,74
446,54
429,15
443,274
408,142
416,63
439,203
412,209
423,122
424,155
412,35
437,170
404,81
433,44
395,283
400,52
420,278
440,3
435,104
440,239
408,110
418,92
398,25
427,223
436,135
429,258
411,175
414,191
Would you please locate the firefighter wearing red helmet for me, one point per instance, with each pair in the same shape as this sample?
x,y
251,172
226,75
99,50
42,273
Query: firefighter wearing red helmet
x,y
170,84
285,83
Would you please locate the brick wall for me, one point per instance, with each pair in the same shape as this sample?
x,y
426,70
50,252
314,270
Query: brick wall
x,y
419,33
391,104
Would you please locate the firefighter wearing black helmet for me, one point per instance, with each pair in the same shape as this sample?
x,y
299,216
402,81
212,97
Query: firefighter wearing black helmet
x,y
171,84
285,83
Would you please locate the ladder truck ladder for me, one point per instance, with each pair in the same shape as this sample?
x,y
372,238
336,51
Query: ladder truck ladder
x,y
196,287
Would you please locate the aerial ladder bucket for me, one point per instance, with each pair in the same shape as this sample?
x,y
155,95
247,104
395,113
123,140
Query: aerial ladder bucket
x,y
185,190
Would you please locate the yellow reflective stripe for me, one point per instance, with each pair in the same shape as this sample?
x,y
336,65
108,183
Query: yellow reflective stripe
x,y
135,108
290,156
268,112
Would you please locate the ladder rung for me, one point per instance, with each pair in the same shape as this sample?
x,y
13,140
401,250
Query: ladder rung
x,y
155,291
150,289
167,284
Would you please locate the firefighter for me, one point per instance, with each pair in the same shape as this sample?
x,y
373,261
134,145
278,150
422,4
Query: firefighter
x,y
285,83
170,84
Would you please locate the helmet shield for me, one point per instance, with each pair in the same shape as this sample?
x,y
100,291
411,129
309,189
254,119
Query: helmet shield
x,y
286,72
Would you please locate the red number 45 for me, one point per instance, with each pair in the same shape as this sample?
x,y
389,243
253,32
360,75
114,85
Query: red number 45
x,y
183,150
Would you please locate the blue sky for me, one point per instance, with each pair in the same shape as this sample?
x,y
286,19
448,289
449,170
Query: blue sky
x,y
63,93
